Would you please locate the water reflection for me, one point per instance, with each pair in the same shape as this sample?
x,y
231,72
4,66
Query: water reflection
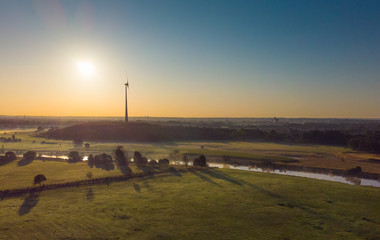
x,y
320,176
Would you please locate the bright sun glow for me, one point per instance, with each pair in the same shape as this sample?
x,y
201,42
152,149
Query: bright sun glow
x,y
86,68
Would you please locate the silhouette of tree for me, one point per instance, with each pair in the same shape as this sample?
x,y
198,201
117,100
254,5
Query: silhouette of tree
x,y
200,161
30,155
139,159
74,156
163,162
38,179
152,162
120,157
91,160
10,156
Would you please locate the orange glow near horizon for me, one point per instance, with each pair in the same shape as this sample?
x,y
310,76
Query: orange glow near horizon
x,y
70,58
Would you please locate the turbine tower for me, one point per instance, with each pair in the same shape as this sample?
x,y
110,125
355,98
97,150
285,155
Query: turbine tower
x,y
126,100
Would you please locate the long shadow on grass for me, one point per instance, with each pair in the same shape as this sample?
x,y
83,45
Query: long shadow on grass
x,y
90,195
283,200
125,170
203,177
136,187
175,172
3,161
223,176
29,203
147,169
216,174
24,162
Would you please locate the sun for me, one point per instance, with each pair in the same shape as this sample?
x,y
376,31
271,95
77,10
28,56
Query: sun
x,y
86,68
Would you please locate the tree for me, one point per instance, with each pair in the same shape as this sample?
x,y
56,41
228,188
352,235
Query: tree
x,y
90,160
139,159
185,159
10,156
89,175
74,156
200,161
30,155
38,179
163,162
152,162
120,157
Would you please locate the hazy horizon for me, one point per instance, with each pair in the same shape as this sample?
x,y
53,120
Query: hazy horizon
x,y
190,59
179,117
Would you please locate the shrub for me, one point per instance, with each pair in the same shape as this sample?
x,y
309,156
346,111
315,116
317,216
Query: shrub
x,y
90,160
354,171
120,156
163,162
38,179
30,155
103,159
200,161
74,156
139,159
152,162
10,156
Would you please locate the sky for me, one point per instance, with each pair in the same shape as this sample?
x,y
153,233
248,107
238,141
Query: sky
x,y
190,58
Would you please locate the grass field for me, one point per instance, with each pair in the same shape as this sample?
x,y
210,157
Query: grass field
x,y
207,204
307,155
14,176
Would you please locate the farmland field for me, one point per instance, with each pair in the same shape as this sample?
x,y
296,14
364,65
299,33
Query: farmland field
x,y
204,204
334,157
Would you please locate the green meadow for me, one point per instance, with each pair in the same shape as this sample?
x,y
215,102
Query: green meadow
x,y
305,154
14,176
203,204
187,203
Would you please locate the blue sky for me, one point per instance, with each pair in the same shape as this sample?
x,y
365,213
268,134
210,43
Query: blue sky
x,y
198,58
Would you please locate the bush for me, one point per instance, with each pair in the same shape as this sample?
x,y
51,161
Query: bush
x,y
74,156
10,156
103,159
90,160
120,156
38,179
163,162
30,155
200,161
354,171
139,159
152,162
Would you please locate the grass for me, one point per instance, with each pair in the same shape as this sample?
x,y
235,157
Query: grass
x,y
208,204
308,155
251,156
14,176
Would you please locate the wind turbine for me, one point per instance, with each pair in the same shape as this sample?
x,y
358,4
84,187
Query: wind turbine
x,y
126,100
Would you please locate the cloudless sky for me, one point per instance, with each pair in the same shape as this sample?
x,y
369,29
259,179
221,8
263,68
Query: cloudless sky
x,y
191,58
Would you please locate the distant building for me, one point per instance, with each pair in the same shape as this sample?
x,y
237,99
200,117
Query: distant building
x,y
275,120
